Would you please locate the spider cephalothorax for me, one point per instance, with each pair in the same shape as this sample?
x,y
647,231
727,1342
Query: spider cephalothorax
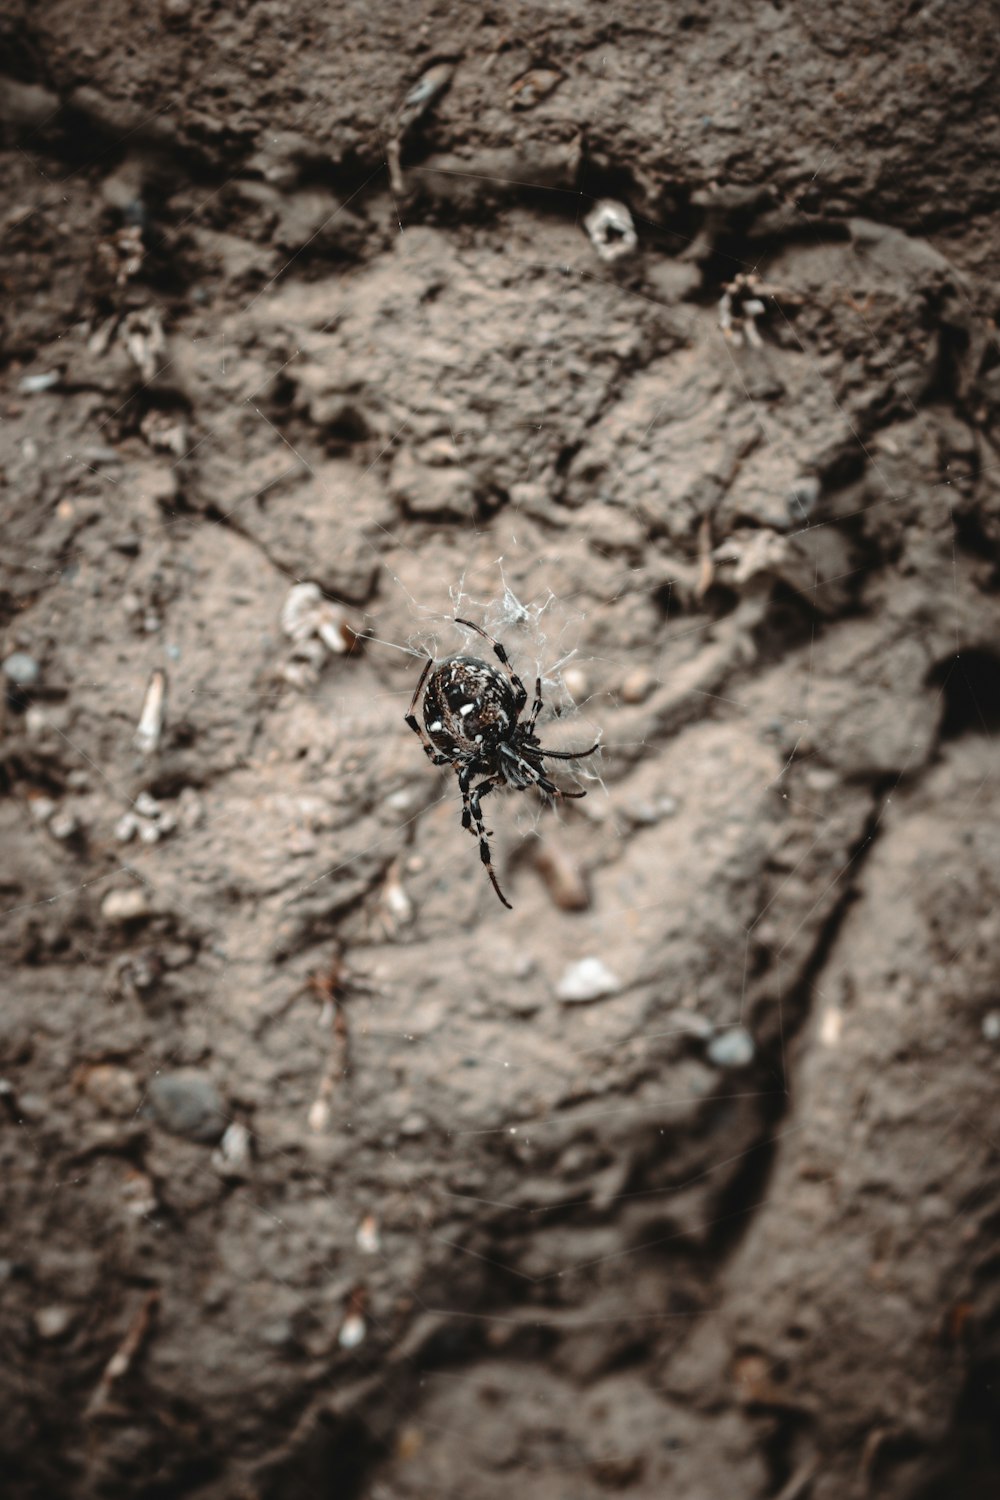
x,y
472,719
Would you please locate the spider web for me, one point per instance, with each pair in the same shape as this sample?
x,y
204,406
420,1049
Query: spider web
x,y
451,1192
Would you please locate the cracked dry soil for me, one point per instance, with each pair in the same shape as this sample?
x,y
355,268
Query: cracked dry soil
x,y
312,1183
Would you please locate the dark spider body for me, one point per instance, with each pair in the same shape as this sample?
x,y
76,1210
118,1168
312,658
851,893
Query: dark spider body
x,y
472,721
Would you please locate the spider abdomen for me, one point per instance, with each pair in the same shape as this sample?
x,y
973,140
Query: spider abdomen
x,y
468,704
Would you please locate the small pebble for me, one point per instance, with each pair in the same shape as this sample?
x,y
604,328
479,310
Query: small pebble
x,y
100,454
637,686
125,906
176,12
413,1125
647,814
126,828
367,1238
64,825
21,669
587,979
53,1322
991,1026
562,875
33,385
821,779
802,498
186,1102
352,1331
732,1048
232,1157
693,1023
113,1089
139,1194
190,808
531,88
42,808
575,683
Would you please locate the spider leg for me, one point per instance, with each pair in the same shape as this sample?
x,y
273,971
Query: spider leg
x,y
474,795
568,754
471,814
435,757
538,776
410,717
536,707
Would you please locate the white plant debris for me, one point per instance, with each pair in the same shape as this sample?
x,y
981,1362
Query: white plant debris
x,y
165,433
420,98
752,553
317,626
743,301
143,336
154,708
612,233
367,1237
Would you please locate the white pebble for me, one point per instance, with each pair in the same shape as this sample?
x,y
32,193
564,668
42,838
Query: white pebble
x,y
575,683
53,1322
125,906
64,824
587,979
612,233
232,1154
352,1332
991,1026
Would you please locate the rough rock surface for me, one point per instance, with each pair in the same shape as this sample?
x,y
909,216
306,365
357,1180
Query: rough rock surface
x,y
304,294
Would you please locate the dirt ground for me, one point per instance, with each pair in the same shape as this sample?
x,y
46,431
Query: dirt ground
x,y
323,1174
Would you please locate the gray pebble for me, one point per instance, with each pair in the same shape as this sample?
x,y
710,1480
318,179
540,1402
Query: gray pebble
x,y
186,1102
32,385
732,1048
21,669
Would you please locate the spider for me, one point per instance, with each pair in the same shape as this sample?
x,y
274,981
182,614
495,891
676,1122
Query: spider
x,y
472,716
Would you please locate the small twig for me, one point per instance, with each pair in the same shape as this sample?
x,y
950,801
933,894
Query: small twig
x,y
121,1361
800,1481
337,1066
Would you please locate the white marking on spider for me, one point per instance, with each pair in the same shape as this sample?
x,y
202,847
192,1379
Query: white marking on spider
x,y
466,709
435,726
